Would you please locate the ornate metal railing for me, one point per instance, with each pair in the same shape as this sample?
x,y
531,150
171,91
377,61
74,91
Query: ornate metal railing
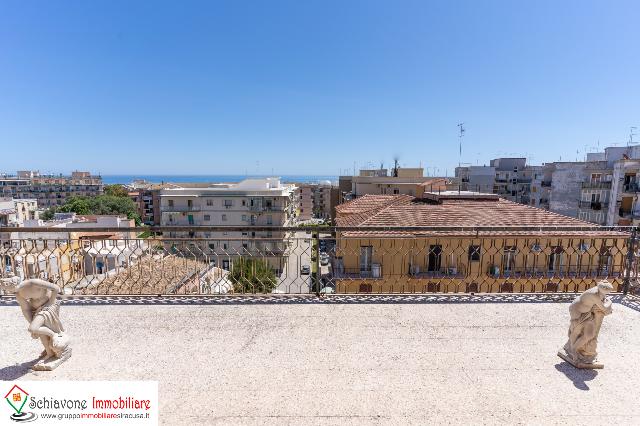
x,y
198,260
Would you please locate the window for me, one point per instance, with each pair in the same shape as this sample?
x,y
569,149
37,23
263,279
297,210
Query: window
x,y
269,220
228,203
207,217
556,259
244,217
434,259
170,203
604,261
224,246
509,258
366,254
189,203
244,203
474,253
212,246
396,191
209,202
224,217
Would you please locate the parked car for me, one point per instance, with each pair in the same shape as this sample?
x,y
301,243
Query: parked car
x,y
305,270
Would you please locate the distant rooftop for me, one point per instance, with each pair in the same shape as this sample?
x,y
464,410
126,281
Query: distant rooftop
x,y
452,209
270,184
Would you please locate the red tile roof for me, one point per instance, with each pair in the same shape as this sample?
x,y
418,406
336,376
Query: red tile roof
x,y
407,211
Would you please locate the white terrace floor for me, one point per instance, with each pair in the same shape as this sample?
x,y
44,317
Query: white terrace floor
x,y
385,360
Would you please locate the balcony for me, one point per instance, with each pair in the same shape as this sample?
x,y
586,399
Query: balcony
x,y
264,208
180,209
631,187
594,205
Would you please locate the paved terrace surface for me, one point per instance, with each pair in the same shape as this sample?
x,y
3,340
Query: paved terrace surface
x,y
348,360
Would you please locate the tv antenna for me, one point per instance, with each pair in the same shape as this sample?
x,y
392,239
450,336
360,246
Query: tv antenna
x,y
460,135
631,134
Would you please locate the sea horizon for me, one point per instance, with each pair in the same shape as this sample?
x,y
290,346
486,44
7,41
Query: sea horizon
x,y
159,178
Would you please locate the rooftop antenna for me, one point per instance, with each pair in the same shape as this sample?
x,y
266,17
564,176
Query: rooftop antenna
x,y
395,167
460,135
631,134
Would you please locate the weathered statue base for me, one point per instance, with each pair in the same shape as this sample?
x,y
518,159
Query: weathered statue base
x,y
52,362
577,364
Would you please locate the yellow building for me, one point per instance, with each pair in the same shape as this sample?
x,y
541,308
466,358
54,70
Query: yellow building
x,y
468,242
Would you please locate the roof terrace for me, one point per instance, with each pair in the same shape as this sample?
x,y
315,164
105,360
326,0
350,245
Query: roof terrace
x,y
387,360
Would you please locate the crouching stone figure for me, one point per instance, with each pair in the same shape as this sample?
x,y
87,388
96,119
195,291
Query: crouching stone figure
x,y
37,299
587,312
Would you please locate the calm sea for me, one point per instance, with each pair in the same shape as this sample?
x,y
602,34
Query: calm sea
x,y
123,179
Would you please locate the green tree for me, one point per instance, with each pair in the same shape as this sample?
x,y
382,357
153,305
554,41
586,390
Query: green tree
x,y
116,190
78,205
48,213
102,205
252,276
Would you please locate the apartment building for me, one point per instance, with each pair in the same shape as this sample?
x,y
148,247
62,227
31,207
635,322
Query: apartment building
x,y
147,200
72,251
400,181
577,189
624,208
510,178
249,203
316,200
600,190
49,190
16,212
568,254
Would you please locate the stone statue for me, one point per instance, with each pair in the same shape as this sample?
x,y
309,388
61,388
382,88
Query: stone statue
x,y
37,299
587,312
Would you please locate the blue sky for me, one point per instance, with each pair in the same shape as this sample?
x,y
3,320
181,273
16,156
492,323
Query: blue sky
x,y
310,87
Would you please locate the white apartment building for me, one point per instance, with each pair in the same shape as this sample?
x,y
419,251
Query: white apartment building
x,y
16,212
246,204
